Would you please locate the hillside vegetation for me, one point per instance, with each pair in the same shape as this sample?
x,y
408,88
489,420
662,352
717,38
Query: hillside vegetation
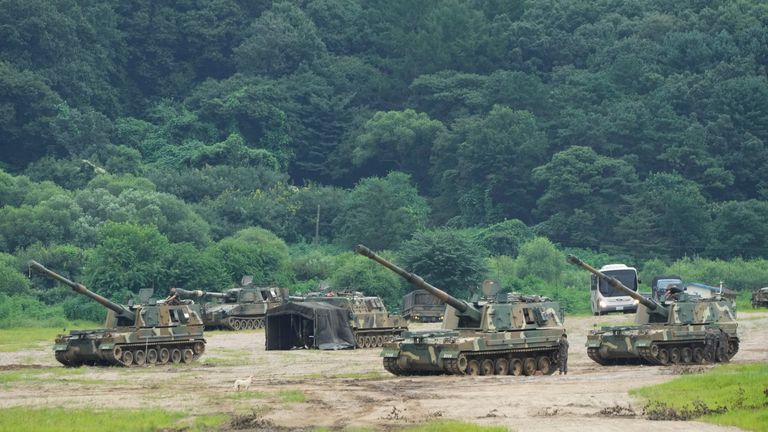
x,y
147,144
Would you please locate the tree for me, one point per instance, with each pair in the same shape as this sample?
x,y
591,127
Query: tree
x,y
505,238
12,281
128,257
381,212
398,140
255,252
540,258
740,229
279,41
582,191
448,259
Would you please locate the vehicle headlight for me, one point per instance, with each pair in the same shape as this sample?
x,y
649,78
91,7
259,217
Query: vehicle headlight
x,y
603,303
635,302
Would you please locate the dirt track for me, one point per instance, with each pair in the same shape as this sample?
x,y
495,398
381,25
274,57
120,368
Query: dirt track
x,y
350,388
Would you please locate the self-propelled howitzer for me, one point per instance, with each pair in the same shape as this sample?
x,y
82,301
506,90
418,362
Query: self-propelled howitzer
x,y
135,335
241,308
499,334
681,329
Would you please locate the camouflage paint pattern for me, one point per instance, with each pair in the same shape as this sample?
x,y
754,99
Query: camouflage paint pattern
x,y
665,332
240,308
497,334
134,335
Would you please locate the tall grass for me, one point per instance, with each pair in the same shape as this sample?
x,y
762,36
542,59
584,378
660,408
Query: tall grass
x,y
731,394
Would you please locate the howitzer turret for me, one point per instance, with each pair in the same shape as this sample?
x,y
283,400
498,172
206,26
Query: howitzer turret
x,y
134,335
499,334
653,307
118,309
683,330
461,306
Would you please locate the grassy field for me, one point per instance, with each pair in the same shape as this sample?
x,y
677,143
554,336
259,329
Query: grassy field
x,y
454,426
64,420
15,339
731,395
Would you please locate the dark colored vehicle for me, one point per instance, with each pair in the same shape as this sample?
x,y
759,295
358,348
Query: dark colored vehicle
x,y
659,285
241,308
311,322
681,329
497,334
420,305
135,335
760,297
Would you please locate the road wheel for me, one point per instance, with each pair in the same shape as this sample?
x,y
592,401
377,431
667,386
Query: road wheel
x,y
529,366
260,323
462,363
516,367
473,367
379,341
674,355
486,367
501,366
663,356
236,324
698,355
359,341
117,352
199,348
176,356
686,355
151,356
139,357
187,355
655,350
722,354
163,355
127,358
544,364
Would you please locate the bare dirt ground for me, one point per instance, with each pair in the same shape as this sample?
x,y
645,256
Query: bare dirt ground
x,y
344,389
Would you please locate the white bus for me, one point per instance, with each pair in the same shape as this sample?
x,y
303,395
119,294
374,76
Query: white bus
x,y
605,298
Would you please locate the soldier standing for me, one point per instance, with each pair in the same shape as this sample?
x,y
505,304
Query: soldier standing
x,y
563,348
710,345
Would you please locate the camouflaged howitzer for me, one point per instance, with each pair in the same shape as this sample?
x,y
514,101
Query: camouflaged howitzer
x,y
134,335
683,330
371,324
498,335
241,308
420,305
760,297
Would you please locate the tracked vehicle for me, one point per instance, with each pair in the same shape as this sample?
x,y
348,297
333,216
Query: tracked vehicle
x,y
498,334
141,334
680,330
241,308
420,305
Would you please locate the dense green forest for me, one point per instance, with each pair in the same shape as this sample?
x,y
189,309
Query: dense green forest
x,y
189,143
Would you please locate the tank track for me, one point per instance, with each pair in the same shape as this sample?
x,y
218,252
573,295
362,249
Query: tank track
x,y
375,338
139,354
665,353
243,323
498,362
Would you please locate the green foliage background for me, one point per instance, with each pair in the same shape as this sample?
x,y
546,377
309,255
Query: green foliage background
x,y
146,145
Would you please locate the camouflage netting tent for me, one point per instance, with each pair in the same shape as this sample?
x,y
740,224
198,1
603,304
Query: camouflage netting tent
x,y
308,325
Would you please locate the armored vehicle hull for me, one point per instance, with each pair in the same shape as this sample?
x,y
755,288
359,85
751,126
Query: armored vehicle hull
x,y
660,345
148,333
461,352
498,334
128,347
242,308
682,330
760,298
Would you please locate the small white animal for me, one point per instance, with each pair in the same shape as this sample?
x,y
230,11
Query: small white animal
x,y
243,384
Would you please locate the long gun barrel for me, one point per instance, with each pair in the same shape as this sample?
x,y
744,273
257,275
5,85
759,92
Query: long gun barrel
x,y
651,305
198,294
80,289
416,280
